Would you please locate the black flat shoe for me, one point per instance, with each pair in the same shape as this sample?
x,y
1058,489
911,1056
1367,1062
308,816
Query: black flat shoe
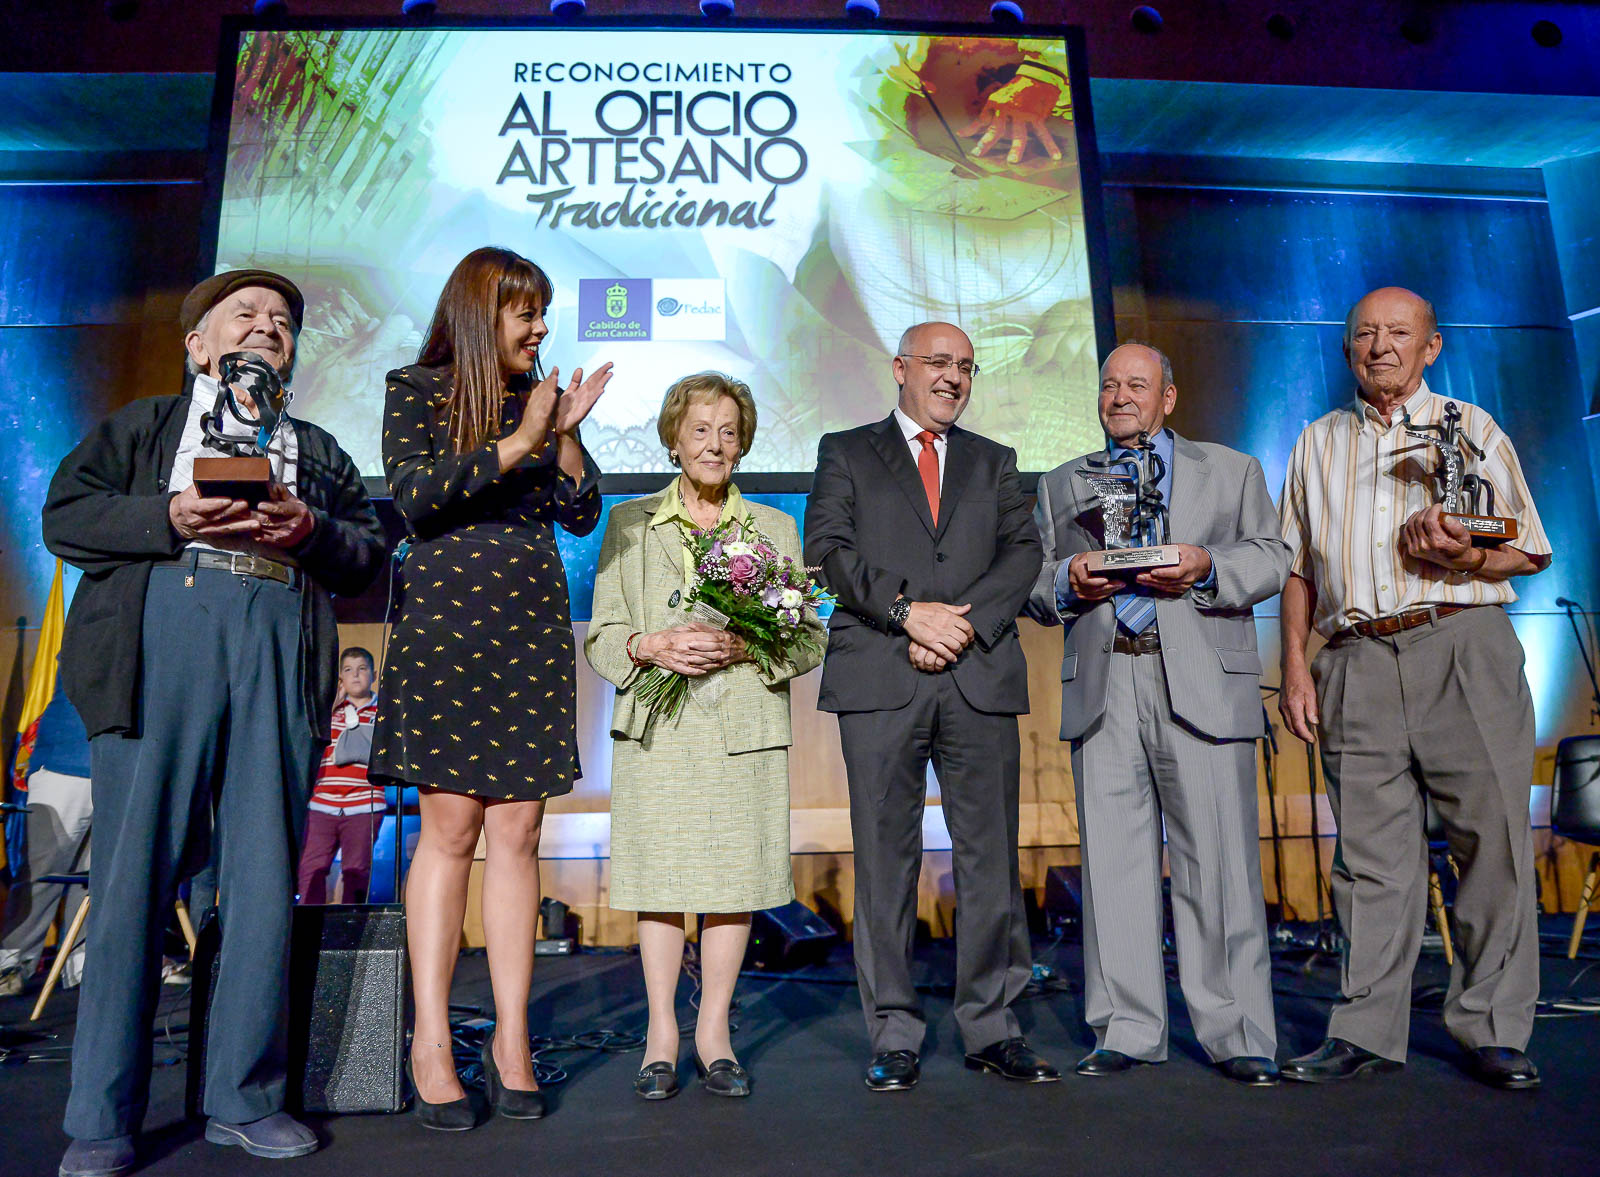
x,y
1337,1059
456,1115
1013,1058
1502,1067
893,1070
510,1102
1099,1063
656,1081
1250,1070
723,1077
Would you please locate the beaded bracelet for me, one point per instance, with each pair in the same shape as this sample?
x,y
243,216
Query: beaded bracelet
x,y
628,648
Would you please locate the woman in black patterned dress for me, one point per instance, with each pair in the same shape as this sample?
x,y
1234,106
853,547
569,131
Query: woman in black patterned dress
x,y
479,708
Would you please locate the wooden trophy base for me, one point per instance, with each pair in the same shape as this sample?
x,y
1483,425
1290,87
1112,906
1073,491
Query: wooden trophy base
x,y
246,479
1131,561
1486,530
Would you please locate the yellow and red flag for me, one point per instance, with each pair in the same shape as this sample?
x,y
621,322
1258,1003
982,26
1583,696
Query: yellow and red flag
x,y
41,689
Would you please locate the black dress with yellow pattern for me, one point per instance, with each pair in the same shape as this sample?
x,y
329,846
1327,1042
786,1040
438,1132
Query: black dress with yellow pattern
x,y
479,689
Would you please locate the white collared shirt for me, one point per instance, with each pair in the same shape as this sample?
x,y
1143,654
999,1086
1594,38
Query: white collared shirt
x,y
910,428
283,453
1353,481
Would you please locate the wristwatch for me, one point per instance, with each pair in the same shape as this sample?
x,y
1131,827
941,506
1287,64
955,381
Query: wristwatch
x,y
898,612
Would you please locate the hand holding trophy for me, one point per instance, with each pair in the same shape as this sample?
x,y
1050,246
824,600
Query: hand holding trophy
x,y
1467,499
246,474
1134,518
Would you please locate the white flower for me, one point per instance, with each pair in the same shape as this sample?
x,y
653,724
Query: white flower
x,y
791,599
738,548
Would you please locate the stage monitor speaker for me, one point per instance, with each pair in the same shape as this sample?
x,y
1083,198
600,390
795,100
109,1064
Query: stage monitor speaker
x,y
788,937
348,1004
1063,900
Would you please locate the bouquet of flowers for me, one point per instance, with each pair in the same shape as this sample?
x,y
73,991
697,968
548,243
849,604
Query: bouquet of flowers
x,y
747,587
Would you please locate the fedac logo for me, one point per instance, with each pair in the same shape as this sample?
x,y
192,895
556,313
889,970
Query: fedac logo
x,y
614,308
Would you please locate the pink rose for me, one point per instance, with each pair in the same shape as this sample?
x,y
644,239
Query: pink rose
x,y
742,569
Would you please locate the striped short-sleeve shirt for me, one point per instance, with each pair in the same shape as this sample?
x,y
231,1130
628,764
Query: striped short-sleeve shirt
x,y
1353,481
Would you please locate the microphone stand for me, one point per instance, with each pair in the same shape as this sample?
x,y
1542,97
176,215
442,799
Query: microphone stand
x,y
1571,610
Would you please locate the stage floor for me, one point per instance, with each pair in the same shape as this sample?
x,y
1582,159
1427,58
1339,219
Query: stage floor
x,y
804,1043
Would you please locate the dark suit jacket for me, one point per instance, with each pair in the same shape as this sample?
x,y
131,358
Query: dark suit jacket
x,y
869,529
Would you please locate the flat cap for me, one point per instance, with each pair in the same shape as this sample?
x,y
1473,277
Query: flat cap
x,y
217,287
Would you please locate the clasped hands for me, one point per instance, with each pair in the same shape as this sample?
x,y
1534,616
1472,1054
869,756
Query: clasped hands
x,y
692,650
1193,566
283,521
938,634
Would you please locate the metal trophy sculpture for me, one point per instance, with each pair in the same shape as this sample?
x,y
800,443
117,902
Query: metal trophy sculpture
x,y
1466,498
246,474
1131,511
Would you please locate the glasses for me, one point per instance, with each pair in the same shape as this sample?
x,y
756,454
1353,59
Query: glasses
x,y
943,363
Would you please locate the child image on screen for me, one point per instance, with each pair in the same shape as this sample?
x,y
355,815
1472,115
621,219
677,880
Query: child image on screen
x,y
345,809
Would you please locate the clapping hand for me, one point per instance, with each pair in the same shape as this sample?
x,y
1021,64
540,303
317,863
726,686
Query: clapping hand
x,y
579,398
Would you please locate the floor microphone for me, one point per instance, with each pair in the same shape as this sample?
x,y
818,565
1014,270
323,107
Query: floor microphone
x,y
1566,604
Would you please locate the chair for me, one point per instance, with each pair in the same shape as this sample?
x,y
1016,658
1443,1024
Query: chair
x,y
1575,814
70,939
1438,844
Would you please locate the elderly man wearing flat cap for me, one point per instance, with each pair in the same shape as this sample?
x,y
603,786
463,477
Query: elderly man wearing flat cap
x,y
200,651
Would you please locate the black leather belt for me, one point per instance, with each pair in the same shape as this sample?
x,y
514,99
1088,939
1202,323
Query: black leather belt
x,y
1386,627
1148,642
239,563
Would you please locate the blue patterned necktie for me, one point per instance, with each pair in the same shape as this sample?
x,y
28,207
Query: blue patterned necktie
x,y
1135,611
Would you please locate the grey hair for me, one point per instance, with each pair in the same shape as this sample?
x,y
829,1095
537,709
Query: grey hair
x,y
1430,317
1166,364
192,369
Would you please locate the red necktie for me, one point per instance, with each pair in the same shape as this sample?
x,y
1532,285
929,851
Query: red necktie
x,y
928,467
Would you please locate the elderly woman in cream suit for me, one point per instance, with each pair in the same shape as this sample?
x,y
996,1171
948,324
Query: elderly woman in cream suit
x,y
699,802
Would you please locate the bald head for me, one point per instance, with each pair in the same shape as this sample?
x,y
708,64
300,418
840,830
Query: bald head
x,y
1390,338
928,367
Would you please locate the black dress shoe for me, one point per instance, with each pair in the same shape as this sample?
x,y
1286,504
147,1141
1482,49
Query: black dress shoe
x,y
1013,1058
1337,1059
1250,1070
1502,1067
1098,1063
723,1076
656,1081
455,1115
510,1102
893,1070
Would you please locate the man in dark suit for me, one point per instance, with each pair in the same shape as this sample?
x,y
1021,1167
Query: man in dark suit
x,y
1160,699
922,532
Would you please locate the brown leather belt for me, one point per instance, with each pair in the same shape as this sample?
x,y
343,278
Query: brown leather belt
x,y
1385,627
239,563
1148,642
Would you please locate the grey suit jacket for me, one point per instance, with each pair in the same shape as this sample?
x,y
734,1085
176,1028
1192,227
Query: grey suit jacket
x,y
1208,639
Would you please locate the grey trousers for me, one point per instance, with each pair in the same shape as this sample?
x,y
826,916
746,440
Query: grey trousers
x,y
223,730
1135,770
1444,707
977,758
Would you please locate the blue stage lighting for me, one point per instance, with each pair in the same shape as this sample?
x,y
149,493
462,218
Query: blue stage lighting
x,y
861,9
422,8
1006,12
716,9
567,9
1146,19
271,7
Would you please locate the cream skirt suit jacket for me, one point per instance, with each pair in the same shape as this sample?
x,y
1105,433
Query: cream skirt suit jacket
x,y
700,802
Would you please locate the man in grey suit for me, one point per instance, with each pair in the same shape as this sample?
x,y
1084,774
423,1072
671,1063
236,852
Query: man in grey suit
x,y
1159,698
921,530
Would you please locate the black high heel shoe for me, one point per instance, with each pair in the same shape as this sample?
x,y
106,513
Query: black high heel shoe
x,y
456,1115
723,1077
656,1081
509,1102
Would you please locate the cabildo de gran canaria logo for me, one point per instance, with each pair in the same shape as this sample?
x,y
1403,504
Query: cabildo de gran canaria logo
x,y
633,309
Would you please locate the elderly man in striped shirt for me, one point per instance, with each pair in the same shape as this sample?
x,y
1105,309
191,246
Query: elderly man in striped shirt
x,y
1419,690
